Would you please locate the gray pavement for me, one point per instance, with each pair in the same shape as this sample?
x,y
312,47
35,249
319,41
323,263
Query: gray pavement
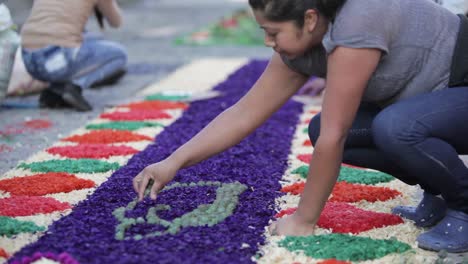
x,y
149,29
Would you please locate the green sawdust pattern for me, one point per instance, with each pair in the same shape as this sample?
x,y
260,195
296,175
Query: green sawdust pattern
x,y
343,247
244,31
306,130
227,198
123,125
302,170
71,166
10,227
163,97
352,175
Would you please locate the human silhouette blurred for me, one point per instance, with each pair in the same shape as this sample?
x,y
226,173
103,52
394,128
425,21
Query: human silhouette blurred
x,y
55,50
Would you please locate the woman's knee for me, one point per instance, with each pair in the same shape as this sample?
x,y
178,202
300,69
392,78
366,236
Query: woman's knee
x,y
314,128
118,53
392,127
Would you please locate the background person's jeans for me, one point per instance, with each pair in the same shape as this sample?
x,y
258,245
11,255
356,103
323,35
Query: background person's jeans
x,y
417,140
93,61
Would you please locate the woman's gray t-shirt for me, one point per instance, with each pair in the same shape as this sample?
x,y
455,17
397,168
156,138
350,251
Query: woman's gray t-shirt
x,y
416,37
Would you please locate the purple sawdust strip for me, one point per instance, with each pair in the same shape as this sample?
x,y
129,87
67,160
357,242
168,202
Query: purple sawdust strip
x,y
258,162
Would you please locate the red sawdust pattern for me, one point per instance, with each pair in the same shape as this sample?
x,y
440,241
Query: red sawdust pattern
x,y
92,151
288,211
42,184
37,124
349,192
313,111
307,143
345,218
307,121
305,158
30,205
308,157
156,105
333,261
3,253
106,136
5,148
295,188
136,115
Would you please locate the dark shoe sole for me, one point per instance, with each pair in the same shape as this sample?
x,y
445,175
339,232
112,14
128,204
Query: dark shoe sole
x,y
72,95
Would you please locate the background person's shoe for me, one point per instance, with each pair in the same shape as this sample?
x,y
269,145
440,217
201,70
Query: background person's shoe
x,y
450,234
429,212
72,95
51,97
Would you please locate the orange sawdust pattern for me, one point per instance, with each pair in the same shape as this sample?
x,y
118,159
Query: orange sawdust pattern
x,y
345,218
106,136
136,115
349,192
92,151
307,143
156,105
42,184
30,205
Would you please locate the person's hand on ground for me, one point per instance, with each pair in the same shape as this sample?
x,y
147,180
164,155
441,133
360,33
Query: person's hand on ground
x,y
291,225
161,173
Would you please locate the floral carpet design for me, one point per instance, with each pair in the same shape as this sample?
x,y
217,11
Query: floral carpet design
x,y
74,202
238,28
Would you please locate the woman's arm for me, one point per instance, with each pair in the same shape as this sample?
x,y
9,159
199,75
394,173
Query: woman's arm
x,y
348,73
111,11
275,86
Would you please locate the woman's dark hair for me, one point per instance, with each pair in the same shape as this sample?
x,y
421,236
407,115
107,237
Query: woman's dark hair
x,y
284,10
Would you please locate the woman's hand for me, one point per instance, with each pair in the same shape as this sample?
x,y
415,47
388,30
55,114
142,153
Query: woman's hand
x,y
291,225
161,173
111,11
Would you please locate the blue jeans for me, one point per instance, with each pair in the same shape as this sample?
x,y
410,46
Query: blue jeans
x,y
417,140
93,61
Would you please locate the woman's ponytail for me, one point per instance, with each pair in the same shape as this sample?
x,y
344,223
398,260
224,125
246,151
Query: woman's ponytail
x,y
329,8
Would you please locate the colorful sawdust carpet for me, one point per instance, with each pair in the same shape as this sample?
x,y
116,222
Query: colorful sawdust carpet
x,y
74,202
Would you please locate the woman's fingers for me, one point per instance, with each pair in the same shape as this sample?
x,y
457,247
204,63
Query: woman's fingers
x,y
136,182
142,186
157,186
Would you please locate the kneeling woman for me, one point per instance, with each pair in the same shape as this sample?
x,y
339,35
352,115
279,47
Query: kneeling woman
x,y
56,51
396,100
